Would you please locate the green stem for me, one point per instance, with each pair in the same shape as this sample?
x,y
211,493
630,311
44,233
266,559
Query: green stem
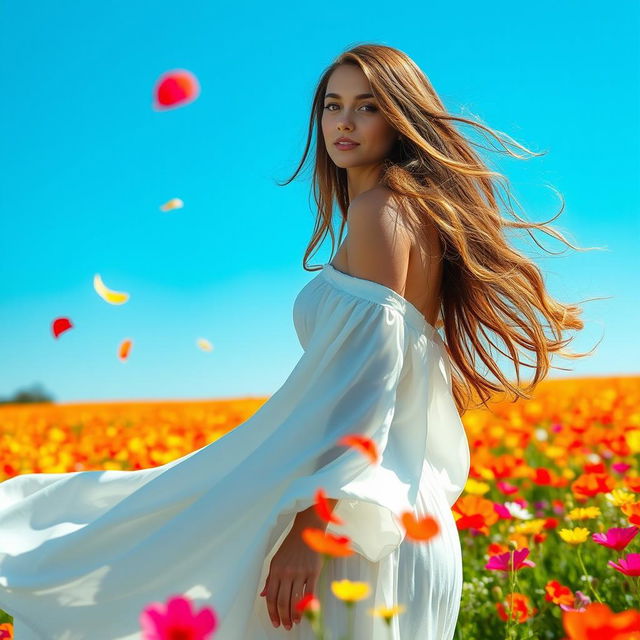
x,y
321,583
586,575
351,621
512,576
390,630
634,586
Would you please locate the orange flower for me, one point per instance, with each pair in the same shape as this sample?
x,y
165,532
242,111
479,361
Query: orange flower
x,y
632,511
632,483
474,511
518,604
598,621
324,542
6,631
590,484
496,548
558,593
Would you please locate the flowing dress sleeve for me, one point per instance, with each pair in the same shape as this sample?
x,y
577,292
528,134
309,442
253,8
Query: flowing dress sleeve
x,y
349,379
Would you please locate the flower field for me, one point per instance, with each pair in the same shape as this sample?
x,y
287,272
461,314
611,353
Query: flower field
x,y
547,522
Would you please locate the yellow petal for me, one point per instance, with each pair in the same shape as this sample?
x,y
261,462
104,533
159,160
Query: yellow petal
x,y
113,297
204,344
174,203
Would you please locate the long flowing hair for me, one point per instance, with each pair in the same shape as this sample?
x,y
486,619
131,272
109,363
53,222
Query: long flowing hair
x,y
435,171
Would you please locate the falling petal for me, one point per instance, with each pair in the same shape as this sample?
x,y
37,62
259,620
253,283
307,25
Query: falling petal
x,y
419,529
365,445
60,325
113,297
125,347
322,508
175,89
174,203
204,344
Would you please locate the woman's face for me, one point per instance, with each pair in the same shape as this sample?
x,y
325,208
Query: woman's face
x,y
345,114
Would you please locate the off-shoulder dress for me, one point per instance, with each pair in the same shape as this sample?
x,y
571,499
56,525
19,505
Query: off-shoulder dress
x,y
82,553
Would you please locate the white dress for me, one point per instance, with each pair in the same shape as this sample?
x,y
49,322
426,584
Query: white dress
x,y
82,553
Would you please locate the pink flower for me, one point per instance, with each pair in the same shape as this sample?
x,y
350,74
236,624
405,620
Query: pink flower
x,y
502,511
502,561
579,604
507,488
629,565
620,467
177,621
616,538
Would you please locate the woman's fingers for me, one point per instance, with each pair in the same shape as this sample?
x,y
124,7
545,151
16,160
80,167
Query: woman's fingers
x,y
284,602
272,589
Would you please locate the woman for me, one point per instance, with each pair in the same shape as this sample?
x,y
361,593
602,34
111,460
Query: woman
x,y
82,553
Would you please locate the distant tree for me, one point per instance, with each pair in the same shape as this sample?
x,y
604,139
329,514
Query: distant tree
x,y
36,393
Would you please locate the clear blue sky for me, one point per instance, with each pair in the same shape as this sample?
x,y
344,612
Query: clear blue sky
x,y
86,162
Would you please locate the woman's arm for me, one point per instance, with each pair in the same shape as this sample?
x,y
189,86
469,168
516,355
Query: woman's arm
x,y
310,518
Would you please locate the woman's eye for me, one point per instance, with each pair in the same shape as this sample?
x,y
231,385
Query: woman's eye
x,y
333,104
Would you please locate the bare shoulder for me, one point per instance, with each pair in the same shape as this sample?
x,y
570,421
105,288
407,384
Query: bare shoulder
x,y
379,243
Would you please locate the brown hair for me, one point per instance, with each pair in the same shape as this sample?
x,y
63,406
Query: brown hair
x,y
442,181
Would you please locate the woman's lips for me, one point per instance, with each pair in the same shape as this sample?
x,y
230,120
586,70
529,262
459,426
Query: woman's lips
x,y
343,146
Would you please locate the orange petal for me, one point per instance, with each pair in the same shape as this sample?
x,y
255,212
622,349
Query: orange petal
x,y
322,508
175,89
174,203
419,529
323,542
365,445
112,297
204,344
125,347
60,325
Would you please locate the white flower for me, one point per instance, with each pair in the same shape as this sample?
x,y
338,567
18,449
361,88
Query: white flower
x,y
517,511
541,434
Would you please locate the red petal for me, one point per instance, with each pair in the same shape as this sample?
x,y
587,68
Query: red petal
x,y
176,88
60,325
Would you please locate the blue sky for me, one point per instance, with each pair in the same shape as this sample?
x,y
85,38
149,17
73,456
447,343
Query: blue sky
x,y
86,162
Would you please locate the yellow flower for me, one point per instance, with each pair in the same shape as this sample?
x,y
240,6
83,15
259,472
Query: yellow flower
x,y
578,535
618,497
529,527
487,474
476,488
584,513
496,431
386,612
554,451
350,591
633,440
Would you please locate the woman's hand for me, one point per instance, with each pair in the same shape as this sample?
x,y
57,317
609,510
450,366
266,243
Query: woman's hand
x,y
293,565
